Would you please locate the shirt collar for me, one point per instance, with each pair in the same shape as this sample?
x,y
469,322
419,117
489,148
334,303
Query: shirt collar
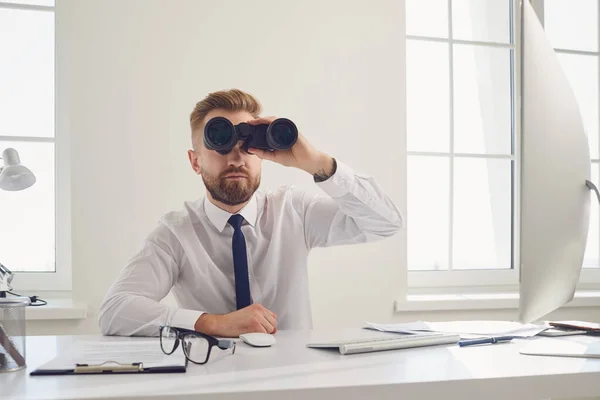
x,y
219,217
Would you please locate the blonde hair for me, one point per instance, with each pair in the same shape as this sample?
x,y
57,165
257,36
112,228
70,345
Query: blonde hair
x,y
230,100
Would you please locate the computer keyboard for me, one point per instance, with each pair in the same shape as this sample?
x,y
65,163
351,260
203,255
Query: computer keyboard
x,y
388,343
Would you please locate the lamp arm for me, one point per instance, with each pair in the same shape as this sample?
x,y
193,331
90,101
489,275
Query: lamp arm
x,y
5,270
6,277
593,187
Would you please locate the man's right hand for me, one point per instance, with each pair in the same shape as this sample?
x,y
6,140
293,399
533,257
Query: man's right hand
x,y
254,318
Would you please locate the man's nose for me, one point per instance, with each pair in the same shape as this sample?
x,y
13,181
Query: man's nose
x,y
235,157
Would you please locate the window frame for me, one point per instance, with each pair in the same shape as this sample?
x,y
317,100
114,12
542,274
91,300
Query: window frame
x,y
61,278
461,280
458,281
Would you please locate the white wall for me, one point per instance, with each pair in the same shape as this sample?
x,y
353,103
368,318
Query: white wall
x,y
130,73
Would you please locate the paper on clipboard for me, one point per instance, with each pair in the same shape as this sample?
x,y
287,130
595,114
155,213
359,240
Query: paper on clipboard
x,y
129,351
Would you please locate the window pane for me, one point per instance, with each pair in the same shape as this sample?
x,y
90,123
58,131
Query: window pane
x,y
592,251
49,3
27,233
428,212
482,213
27,81
427,18
428,91
482,100
572,24
582,72
482,21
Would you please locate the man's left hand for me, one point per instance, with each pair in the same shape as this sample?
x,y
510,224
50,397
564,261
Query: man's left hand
x,y
301,155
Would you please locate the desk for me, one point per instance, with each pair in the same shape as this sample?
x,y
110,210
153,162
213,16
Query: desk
x,y
291,371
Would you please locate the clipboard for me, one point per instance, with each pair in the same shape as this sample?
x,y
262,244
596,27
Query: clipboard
x,y
111,367
113,356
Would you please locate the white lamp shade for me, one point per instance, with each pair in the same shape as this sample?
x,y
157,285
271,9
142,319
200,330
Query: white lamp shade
x,y
14,176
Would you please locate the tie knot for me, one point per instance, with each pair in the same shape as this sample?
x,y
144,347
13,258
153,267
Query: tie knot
x,y
236,221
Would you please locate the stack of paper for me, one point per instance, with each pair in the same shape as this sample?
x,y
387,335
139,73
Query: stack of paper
x,y
466,329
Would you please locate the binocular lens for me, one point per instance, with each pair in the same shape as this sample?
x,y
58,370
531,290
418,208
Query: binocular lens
x,y
284,134
219,133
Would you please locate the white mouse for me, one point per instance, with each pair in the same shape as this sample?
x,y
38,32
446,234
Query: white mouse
x,y
258,339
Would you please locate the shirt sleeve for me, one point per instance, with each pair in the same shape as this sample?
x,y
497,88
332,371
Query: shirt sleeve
x,y
132,305
354,210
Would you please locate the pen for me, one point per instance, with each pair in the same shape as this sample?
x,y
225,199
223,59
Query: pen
x,y
491,340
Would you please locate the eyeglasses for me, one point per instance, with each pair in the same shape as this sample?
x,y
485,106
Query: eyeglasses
x,y
196,346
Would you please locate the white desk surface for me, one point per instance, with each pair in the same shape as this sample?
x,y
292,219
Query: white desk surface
x,y
289,370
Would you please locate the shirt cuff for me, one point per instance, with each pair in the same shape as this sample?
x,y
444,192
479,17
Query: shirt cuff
x,y
340,183
183,318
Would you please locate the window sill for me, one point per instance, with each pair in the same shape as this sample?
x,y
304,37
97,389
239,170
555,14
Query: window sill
x,y
483,301
57,309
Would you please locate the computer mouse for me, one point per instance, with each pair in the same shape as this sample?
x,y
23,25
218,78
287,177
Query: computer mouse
x,y
258,339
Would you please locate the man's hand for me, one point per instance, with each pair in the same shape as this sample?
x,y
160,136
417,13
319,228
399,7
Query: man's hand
x,y
302,155
254,318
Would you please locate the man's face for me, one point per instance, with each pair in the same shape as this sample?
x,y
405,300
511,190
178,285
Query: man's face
x,y
231,178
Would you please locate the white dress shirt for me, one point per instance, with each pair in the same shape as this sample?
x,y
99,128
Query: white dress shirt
x,y
190,253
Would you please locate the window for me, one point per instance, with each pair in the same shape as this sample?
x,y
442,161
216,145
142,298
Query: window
x,y
28,233
572,29
462,139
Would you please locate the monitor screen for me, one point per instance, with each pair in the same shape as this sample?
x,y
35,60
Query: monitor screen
x,y
555,165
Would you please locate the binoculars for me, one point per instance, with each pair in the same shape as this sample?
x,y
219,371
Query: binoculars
x,y
222,136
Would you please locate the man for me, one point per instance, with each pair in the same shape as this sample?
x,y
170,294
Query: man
x,y
236,260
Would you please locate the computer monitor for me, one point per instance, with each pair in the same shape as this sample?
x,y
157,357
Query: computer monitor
x,y
555,166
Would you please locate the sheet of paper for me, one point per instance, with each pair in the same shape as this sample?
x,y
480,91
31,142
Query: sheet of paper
x,y
488,328
410,327
563,348
467,329
127,351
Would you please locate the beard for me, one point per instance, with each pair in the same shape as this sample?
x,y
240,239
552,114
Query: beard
x,y
231,191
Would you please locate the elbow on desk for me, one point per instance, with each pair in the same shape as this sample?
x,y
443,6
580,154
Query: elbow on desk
x,y
122,315
105,321
109,317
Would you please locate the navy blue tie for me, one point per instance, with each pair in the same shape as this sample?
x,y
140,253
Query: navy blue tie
x,y
240,263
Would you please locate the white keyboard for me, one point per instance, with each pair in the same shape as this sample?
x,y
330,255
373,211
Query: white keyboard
x,y
388,343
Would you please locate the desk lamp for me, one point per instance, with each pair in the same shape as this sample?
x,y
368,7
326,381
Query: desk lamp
x,y
13,176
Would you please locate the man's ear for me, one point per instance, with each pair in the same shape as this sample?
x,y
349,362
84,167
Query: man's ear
x,y
195,161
